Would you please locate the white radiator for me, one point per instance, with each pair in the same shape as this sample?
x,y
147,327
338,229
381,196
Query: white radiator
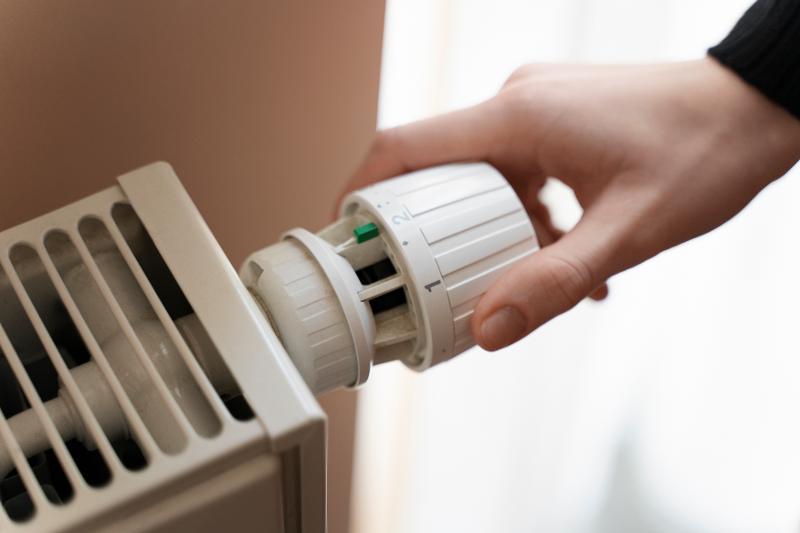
x,y
256,463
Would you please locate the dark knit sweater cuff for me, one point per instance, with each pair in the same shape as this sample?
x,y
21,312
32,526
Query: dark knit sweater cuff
x,y
764,49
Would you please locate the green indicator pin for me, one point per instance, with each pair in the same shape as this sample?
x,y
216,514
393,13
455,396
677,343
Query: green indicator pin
x,y
366,232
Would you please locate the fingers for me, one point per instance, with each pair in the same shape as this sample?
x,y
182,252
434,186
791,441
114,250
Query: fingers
x,y
547,233
600,293
464,135
548,283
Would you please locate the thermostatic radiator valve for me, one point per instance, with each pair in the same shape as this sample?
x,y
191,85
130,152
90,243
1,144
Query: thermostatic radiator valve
x,y
397,277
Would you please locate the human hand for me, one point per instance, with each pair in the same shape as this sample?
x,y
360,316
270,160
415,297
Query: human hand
x,y
656,155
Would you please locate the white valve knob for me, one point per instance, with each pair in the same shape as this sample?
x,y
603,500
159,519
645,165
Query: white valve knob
x,y
396,278
454,229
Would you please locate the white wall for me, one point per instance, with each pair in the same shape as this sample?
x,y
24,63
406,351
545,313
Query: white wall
x,y
672,407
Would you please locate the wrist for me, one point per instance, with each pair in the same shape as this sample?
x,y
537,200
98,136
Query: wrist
x,y
747,123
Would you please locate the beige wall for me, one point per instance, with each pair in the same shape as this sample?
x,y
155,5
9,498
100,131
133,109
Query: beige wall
x,y
262,107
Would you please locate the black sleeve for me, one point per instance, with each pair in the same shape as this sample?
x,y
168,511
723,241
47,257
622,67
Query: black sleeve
x,y
764,49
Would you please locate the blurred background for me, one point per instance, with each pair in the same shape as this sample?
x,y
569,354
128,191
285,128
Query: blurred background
x,y
672,407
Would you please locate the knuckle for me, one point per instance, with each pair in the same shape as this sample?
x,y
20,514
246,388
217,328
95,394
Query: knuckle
x,y
382,142
523,72
571,279
514,102
536,96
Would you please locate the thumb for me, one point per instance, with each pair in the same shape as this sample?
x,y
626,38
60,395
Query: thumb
x,y
548,283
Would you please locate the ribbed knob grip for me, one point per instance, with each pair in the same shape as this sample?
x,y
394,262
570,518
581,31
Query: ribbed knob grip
x,y
306,312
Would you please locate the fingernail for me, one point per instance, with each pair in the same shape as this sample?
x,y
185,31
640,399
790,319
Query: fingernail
x,y
503,327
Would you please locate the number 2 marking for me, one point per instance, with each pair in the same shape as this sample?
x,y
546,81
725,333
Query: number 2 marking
x,y
400,219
